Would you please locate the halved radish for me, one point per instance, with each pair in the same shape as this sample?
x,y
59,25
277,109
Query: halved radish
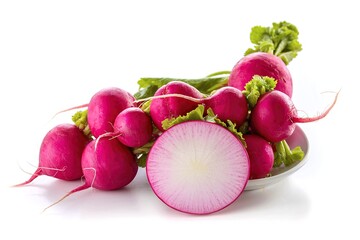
x,y
198,167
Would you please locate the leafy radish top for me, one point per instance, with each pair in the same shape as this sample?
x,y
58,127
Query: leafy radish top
x,y
281,40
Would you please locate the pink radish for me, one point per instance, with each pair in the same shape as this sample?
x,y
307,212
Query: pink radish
x,y
103,108
133,127
107,165
274,116
197,167
170,107
262,64
228,103
60,153
261,156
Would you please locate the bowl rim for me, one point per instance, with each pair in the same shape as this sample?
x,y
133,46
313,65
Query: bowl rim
x,y
282,172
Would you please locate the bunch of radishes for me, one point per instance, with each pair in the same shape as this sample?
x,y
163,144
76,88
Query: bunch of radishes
x,y
200,140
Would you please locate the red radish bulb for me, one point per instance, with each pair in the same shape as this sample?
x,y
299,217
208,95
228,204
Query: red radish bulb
x,y
228,103
262,64
107,165
170,107
133,127
103,108
274,116
198,167
261,156
60,153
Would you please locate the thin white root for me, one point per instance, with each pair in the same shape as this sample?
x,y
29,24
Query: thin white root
x,y
23,170
196,100
54,169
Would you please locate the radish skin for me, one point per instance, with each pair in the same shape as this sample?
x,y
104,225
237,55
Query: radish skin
x,y
171,107
108,166
60,153
133,127
261,156
228,103
262,64
197,167
103,108
274,116
112,165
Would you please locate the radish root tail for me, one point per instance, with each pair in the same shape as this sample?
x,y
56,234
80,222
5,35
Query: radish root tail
x,y
69,109
80,188
37,173
322,115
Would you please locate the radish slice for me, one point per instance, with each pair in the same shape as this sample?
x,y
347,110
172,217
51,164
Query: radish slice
x,y
198,167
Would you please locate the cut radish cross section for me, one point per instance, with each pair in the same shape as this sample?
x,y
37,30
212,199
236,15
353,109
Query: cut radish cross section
x,y
198,167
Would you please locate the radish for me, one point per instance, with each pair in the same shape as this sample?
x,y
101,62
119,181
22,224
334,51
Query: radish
x,y
133,127
274,116
170,107
228,103
60,153
261,155
197,167
262,64
103,108
107,165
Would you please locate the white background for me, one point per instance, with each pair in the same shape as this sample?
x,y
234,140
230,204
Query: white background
x,y
57,54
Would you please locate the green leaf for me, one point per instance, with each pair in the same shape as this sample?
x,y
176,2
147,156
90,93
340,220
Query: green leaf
x,y
257,33
141,160
232,128
285,156
146,92
256,87
80,120
211,117
196,114
142,153
281,40
145,106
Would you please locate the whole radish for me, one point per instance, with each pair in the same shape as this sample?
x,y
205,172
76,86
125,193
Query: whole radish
x,y
133,127
60,153
262,64
261,156
103,108
228,103
274,116
107,165
170,107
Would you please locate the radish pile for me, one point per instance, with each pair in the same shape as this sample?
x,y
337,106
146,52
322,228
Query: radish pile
x,y
200,140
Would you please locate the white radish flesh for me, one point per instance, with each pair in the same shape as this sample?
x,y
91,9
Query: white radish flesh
x,y
198,167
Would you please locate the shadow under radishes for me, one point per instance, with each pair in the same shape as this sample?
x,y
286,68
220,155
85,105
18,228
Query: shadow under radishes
x,y
285,200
